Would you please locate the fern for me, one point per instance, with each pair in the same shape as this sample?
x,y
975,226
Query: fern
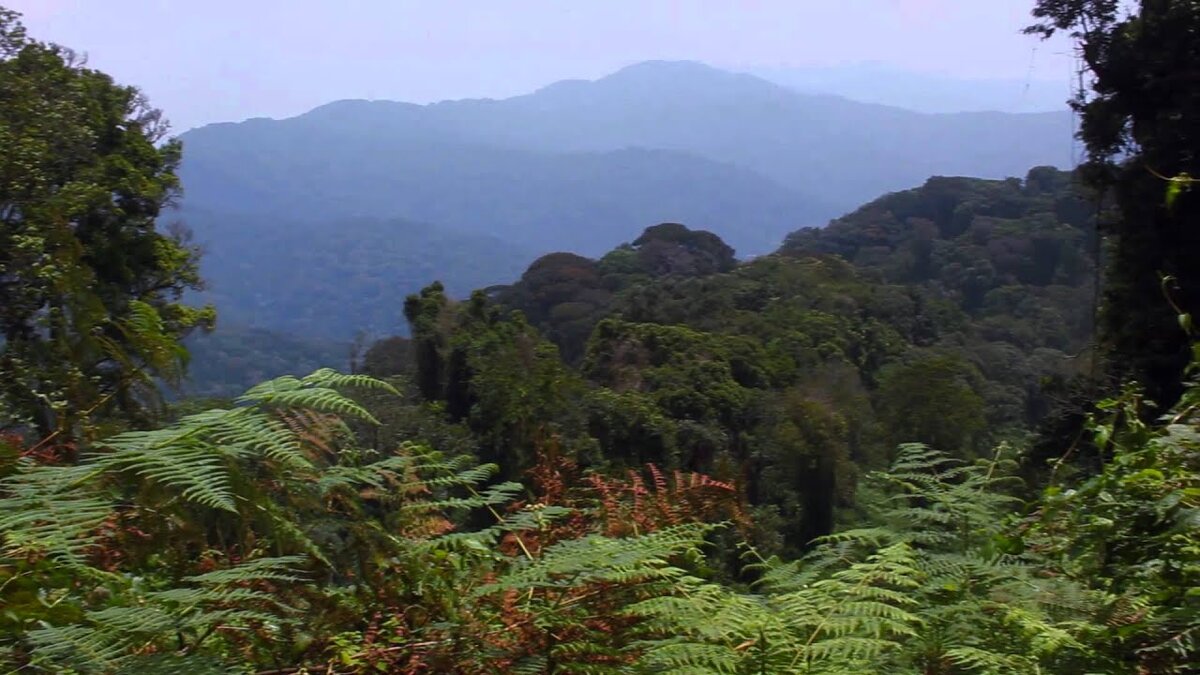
x,y
292,392
44,512
331,379
1131,532
178,458
109,639
595,559
920,588
257,472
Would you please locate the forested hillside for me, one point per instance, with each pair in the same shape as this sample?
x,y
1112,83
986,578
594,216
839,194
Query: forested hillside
x,y
585,201
331,279
792,373
956,431
231,359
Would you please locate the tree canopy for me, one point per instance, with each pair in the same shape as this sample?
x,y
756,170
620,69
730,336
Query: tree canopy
x,y
89,284
1140,121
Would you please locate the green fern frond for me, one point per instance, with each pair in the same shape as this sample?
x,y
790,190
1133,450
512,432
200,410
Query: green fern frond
x,y
107,639
177,458
79,647
311,398
281,568
977,660
174,664
597,559
495,495
315,392
264,390
248,431
43,511
331,379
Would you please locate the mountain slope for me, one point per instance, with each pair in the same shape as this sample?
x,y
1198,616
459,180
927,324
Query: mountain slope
x,y
996,275
577,165
846,151
230,360
332,279
537,201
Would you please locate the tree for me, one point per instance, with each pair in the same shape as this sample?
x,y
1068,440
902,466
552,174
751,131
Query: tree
x,y
931,400
90,289
426,313
1141,124
671,248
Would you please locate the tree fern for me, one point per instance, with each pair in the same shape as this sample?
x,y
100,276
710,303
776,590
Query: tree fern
x,y
923,586
276,473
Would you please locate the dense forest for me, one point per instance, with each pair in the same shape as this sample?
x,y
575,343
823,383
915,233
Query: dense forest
x,y
955,430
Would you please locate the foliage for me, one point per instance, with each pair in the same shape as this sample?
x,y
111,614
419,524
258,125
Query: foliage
x,y
493,372
89,288
264,533
964,303
271,511
661,461
932,400
1133,531
1139,121
924,586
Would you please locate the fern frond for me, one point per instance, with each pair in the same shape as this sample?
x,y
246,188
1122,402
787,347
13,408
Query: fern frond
x,y
43,512
978,660
282,568
247,431
178,458
312,398
107,639
332,379
597,559
315,392
495,495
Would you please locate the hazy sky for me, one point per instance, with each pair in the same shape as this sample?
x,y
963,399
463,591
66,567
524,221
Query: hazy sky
x,y
216,60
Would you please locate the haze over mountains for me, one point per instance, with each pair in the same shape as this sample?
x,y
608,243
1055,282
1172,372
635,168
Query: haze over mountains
x,y
926,92
578,165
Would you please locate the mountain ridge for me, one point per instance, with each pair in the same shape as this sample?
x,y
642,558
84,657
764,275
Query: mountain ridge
x,y
722,116
579,165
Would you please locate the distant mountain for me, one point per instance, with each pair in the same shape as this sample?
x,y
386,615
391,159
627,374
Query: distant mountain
x,y
330,279
581,165
924,92
536,201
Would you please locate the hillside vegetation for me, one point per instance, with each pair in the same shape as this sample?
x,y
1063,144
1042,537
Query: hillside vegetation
x,y
334,279
788,374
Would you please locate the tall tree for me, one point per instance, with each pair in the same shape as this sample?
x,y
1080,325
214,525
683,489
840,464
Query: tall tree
x,y
1141,124
90,310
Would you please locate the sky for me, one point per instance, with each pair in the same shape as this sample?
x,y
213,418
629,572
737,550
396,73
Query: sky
x,y
205,61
